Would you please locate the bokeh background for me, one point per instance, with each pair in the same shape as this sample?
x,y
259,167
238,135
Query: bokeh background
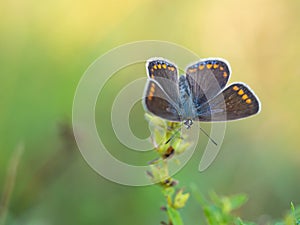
x,y
45,47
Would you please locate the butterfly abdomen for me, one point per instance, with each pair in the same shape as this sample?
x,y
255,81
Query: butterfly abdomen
x,y
185,98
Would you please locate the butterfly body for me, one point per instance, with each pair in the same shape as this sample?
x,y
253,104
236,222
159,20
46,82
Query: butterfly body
x,y
187,109
198,95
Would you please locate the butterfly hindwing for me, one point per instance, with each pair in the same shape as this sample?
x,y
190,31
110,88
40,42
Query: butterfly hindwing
x,y
159,103
207,78
235,102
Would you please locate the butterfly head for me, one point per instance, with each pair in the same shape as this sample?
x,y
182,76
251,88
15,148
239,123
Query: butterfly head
x,y
188,123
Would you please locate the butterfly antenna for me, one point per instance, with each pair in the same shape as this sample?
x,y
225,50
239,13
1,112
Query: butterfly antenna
x,y
206,134
173,135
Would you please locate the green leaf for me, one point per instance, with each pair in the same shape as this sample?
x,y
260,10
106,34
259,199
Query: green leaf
x,y
239,221
157,127
233,202
181,147
213,215
174,216
180,199
198,195
159,173
168,191
215,198
293,208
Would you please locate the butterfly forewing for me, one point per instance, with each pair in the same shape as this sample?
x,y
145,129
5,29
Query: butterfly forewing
x,y
161,93
207,78
166,75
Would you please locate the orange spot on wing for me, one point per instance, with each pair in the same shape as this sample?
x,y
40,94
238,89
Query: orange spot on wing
x,y
216,66
150,96
152,76
244,97
235,88
151,91
201,67
241,92
164,66
159,66
208,65
248,101
155,67
221,68
225,75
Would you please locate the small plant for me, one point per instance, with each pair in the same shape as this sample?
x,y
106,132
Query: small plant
x,y
167,143
218,210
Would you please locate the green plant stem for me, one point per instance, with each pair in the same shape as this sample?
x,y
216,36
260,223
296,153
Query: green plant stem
x,y
10,182
166,133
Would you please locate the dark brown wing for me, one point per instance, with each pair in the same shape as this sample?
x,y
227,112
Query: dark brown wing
x,y
207,78
166,75
236,102
159,103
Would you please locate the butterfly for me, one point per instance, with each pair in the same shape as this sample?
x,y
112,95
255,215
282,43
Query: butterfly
x,y
199,95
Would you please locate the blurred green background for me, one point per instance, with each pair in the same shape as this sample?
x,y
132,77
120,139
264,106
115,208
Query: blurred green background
x,y
45,47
